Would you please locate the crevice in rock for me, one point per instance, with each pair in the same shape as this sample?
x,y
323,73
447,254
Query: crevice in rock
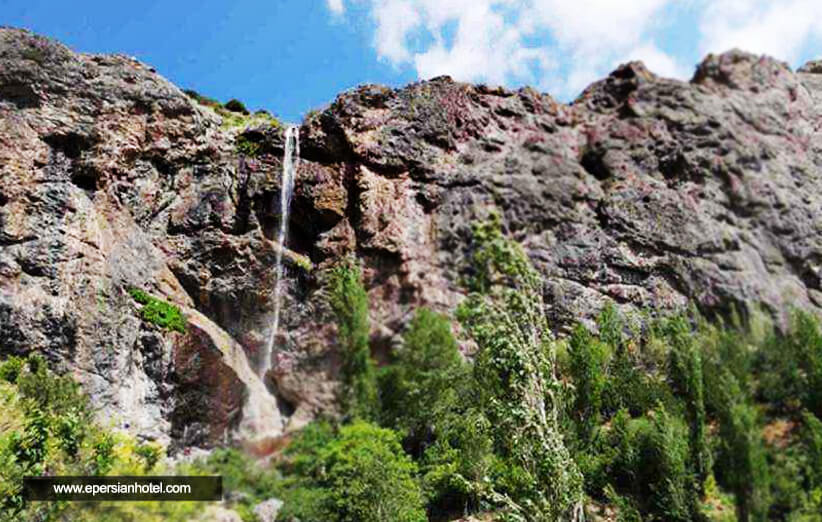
x,y
286,407
85,179
20,94
243,203
591,161
72,145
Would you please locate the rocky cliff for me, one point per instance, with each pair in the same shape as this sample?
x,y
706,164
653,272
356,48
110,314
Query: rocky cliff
x,y
648,192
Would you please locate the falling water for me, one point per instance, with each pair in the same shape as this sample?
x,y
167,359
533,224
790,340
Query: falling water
x,y
291,159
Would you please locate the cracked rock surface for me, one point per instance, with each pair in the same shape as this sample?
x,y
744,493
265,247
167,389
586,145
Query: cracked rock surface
x,y
648,192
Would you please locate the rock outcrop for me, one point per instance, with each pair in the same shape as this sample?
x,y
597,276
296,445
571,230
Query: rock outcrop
x,y
645,191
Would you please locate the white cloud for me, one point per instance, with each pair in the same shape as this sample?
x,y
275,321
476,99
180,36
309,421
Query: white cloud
x,y
656,60
563,45
336,6
780,29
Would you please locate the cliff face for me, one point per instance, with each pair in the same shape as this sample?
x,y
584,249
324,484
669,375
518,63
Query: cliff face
x,y
648,192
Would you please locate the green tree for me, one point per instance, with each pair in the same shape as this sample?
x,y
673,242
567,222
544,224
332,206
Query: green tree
x,y
588,365
349,302
791,366
358,474
515,385
651,464
425,381
742,464
686,375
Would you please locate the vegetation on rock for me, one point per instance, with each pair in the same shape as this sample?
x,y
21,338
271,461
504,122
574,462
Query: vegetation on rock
x,y
247,147
159,312
235,105
234,113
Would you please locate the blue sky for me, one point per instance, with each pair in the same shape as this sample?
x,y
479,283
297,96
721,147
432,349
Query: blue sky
x,y
290,56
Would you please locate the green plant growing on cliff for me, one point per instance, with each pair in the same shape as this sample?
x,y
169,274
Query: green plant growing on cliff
x,y
302,262
588,359
349,302
238,120
246,147
159,312
792,366
515,384
235,105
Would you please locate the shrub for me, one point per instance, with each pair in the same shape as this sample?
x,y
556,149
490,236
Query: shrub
x,y
358,474
741,460
369,476
235,105
685,373
349,302
456,466
199,98
247,147
588,365
791,366
159,312
10,369
46,427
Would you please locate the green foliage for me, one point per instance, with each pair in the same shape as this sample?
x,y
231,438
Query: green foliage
x,y
425,381
159,312
588,365
234,113
246,147
456,465
349,302
199,98
10,369
235,105
743,459
357,474
685,373
46,426
646,461
791,366
515,385
651,464
241,121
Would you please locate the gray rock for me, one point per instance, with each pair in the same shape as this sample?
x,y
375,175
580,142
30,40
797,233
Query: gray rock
x,y
267,510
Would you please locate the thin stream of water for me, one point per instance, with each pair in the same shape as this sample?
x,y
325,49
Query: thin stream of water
x,y
291,158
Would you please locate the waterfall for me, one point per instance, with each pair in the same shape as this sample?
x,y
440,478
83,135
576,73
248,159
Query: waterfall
x,y
291,158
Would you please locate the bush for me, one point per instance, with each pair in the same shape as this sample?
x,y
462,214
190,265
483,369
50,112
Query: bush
x,y
155,311
46,427
791,366
588,366
10,369
349,302
235,105
685,373
359,474
246,147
